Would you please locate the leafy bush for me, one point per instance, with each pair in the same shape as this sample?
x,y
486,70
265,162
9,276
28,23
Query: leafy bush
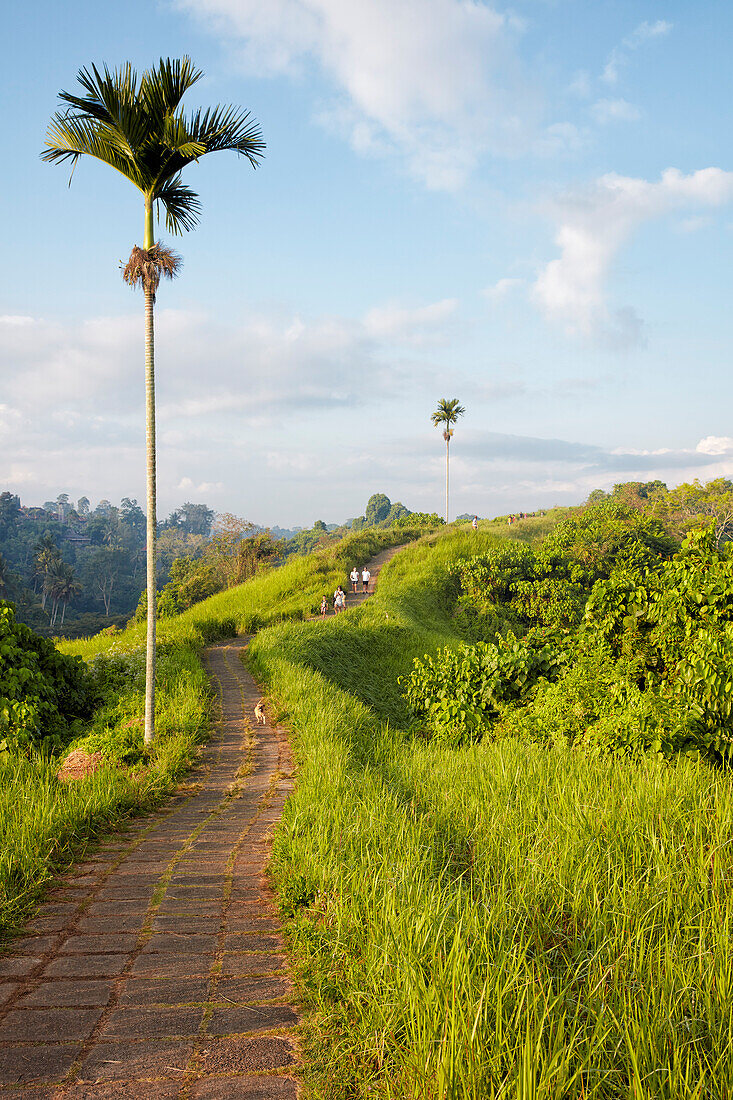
x,y
457,693
548,585
678,621
43,694
599,704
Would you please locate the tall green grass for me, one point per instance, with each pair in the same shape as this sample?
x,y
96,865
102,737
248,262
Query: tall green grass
x,y
496,921
291,591
45,824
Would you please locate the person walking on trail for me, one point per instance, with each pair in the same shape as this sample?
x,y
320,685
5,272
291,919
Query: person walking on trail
x,y
339,600
354,578
324,607
474,523
365,578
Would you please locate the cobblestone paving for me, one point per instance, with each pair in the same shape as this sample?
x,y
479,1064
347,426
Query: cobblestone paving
x,y
155,970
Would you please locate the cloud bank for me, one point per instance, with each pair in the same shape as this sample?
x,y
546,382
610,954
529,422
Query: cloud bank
x,y
438,82
593,224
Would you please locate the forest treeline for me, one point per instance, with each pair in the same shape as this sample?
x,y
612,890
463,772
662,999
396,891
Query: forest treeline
x,y
73,570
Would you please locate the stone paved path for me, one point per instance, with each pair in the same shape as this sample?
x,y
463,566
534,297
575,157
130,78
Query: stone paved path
x,y
156,970
377,563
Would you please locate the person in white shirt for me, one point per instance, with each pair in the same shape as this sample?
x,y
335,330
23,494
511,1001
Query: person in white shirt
x,y
354,578
365,578
339,600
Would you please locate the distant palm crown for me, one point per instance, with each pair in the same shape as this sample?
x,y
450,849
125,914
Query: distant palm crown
x,y
447,412
134,125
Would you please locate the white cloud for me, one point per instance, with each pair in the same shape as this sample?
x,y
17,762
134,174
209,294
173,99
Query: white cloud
x,y
695,223
614,110
619,57
715,445
645,31
581,85
419,326
188,485
559,139
72,411
437,81
592,226
503,287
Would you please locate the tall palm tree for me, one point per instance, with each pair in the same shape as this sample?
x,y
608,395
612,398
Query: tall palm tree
x,y
137,126
447,413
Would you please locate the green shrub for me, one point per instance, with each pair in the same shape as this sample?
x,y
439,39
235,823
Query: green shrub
x,y
598,704
457,694
43,694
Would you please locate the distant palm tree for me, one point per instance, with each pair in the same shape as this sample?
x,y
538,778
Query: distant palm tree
x,y
447,413
66,589
46,558
136,126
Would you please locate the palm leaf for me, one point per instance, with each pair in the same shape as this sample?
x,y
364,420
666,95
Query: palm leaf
x,y
69,138
163,88
228,128
182,205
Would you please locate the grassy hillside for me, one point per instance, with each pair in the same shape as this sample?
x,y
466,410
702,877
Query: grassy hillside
x,y
45,825
503,920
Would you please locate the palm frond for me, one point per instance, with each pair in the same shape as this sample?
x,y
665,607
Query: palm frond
x,y
178,139
69,138
182,205
447,412
228,128
133,124
163,88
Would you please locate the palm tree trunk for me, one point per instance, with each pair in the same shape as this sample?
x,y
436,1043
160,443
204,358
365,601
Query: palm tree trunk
x,y
447,466
151,511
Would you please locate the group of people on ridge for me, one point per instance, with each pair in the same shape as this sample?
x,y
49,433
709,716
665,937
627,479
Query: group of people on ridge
x,y
339,596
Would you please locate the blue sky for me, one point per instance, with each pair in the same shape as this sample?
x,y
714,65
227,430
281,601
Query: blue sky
x,y
526,207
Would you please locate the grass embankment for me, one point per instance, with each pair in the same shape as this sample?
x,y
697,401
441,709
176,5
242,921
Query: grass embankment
x,y
44,824
497,921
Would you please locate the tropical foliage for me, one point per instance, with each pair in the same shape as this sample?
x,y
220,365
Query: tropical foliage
x,y
43,693
513,917
625,642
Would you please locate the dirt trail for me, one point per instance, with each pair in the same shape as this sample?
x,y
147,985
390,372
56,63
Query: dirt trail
x,y
155,970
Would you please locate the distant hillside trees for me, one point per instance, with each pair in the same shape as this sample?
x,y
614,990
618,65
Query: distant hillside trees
x,y
83,568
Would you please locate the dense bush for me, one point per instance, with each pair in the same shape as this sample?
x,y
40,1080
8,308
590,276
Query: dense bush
x,y
456,693
43,694
547,586
677,620
643,640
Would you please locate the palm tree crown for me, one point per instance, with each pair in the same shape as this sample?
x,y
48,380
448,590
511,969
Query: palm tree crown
x,y
135,125
447,413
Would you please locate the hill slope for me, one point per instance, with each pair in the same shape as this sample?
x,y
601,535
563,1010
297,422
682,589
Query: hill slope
x,y
504,919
